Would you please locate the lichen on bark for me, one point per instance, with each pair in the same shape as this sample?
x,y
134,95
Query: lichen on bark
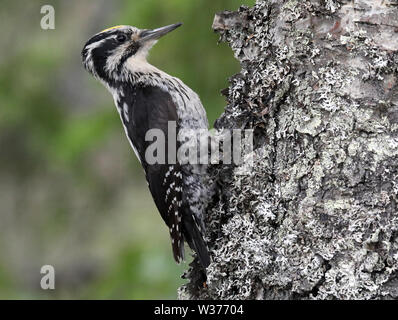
x,y
316,217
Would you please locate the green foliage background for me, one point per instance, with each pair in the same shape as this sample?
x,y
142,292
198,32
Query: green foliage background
x,y
72,193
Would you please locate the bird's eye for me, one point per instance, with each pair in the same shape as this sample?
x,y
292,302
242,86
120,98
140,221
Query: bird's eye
x,y
121,38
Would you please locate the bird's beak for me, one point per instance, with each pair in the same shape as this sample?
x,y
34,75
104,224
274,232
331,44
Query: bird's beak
x,y
155,34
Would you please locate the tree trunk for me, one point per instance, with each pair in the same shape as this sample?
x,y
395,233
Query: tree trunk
x,y
317,216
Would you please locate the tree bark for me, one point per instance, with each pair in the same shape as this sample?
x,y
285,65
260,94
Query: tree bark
x,y
317,216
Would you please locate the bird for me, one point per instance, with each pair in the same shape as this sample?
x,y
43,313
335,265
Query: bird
x,y
147,98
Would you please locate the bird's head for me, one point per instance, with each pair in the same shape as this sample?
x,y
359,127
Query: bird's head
x,y
108,54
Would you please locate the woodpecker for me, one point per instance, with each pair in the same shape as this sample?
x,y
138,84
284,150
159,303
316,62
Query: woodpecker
x,y
148,98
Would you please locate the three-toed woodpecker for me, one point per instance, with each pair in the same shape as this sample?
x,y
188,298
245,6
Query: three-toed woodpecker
x,y
148,98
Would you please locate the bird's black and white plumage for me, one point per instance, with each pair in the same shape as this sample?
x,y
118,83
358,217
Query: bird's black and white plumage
x,y
148,98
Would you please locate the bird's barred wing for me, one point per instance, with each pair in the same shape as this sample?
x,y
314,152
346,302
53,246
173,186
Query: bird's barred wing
x,y
142,109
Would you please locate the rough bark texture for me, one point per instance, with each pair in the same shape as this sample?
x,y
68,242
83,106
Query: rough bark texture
x,y
317,216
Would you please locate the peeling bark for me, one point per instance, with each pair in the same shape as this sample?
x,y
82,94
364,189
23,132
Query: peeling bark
x,y
317,216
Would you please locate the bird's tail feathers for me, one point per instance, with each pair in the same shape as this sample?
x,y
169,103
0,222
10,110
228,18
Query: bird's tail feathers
x,y
195,239
177,245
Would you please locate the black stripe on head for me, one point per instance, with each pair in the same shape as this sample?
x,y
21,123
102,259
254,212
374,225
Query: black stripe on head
x,y
109,43
96,38
101,54
101,36
131,50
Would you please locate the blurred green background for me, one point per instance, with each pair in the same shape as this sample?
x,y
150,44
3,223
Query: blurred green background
x,y
72,193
